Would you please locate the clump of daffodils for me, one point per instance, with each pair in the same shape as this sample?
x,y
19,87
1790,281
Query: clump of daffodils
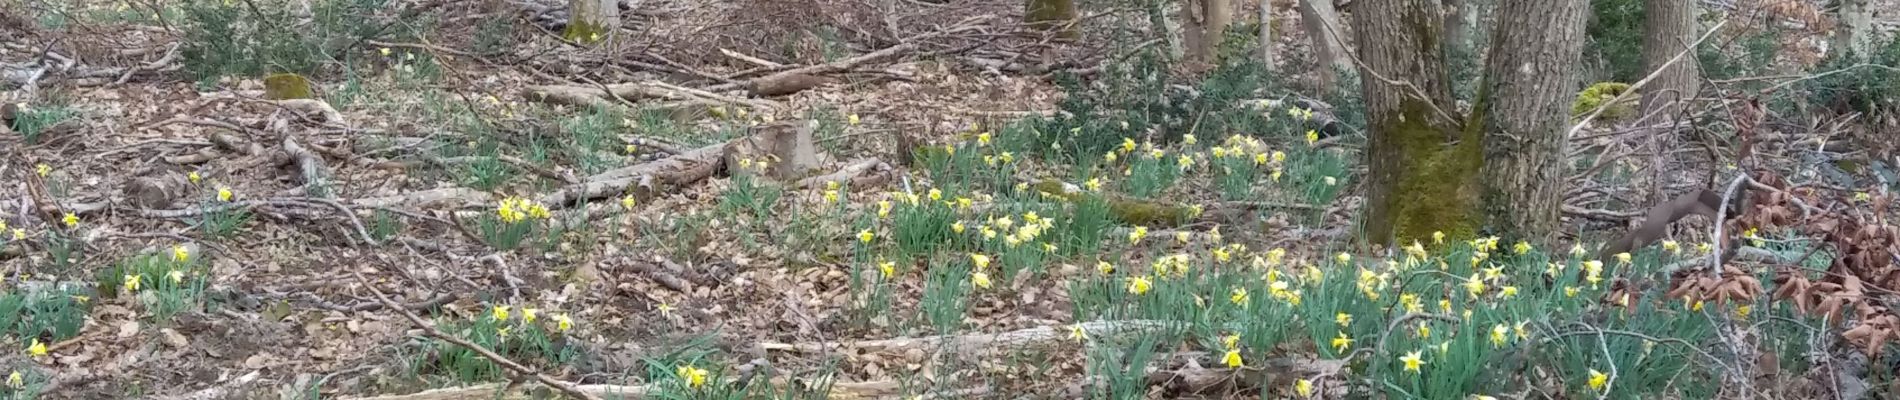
x,y
516,209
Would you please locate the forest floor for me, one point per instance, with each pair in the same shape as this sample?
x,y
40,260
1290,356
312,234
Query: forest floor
x,y
180,238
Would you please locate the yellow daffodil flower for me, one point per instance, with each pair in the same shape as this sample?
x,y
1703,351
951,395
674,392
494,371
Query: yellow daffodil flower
x,y
1412,361
1139,285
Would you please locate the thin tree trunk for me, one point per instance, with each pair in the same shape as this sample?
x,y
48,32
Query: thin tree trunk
x,y
1423,163
1668,27
1529,81
1266,35
592,20
1329,50
1193,36
1220,14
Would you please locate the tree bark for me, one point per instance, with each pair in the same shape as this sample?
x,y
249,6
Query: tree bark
x,y
1668,28
1423,162
1329,46
1193,40
1523,104
1051,15
591,20
1266,35
1220,14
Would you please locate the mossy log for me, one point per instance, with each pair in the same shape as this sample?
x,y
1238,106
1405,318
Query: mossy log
x,y
1128,210
1051,15
286,87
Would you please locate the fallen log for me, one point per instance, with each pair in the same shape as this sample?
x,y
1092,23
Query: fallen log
x,y
683,168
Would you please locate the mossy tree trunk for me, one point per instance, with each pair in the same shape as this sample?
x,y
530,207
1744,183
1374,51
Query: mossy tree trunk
x,y
1668,28
1423,163
1329,44
1051,15
591,21
1530,76
1434,170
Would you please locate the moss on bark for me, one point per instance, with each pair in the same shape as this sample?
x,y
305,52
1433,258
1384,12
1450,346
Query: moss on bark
x,y
1435,188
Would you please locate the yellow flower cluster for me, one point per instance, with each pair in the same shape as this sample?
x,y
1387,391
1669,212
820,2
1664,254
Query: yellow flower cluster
x,y
516,209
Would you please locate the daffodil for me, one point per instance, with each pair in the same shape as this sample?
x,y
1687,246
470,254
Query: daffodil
x,y
1343,319
1438,237
865,236
562,323
964,203
1576,250
693,376
627,202
1238,296
224,194
176,276
1671,246
983,139
1474,285
980,279
180,253
1741,312
1598,380
1343,258
1303,387
1329,181
883,208
132,282
665,309
19,234
1521,248
1507,292
631,149
193,177
1570,291
851,119
1139,285
887,268
1077,333
1136,235
1499,334
1104,268
43,170
499,312
981,261
1221,254
16,381
1623,258
70,220
1412,361
1341,343
1260,159
36,349
1424,331
1232,359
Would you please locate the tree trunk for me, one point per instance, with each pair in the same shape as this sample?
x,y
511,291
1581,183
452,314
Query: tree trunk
x,y
1523,104
1329,44
1220,14
1423,163
591,20
1193,40
1668,27
1856,32
1050,15
1266,35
